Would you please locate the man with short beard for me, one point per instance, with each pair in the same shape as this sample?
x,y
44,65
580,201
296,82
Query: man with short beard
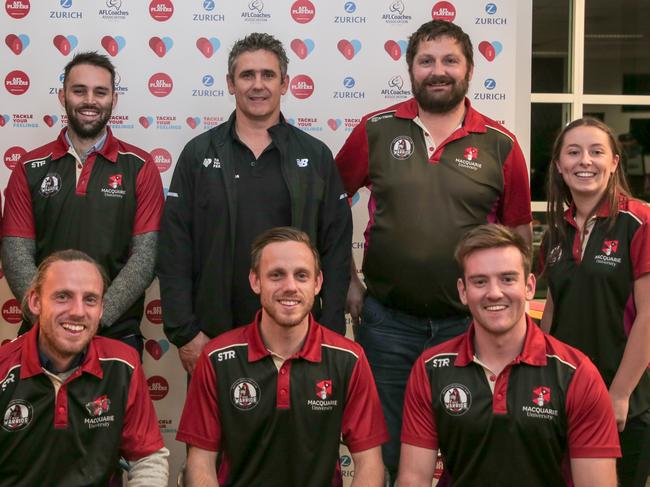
x,y
436,168
89,191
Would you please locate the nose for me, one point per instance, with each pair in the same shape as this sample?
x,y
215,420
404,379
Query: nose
x,y
290,284
77,307
494,291
258,81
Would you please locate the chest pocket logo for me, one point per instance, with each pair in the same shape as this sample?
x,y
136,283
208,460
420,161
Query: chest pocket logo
x,y
456,399
401,147
245,394
50,185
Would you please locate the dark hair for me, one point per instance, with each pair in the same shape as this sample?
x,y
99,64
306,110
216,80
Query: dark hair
x,y
94,59
559,194
70,255
281,234
255,42
433,30
492,236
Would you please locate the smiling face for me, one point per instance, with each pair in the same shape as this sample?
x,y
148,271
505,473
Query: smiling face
x,y
287,282
496,289
258,85
88,98
440,75
586,161
68,306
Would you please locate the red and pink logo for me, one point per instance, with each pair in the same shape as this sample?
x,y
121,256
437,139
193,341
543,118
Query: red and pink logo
x,y
541,395
490,50
160,85
50,120
395,49
65,44
17,9
17,82
208,47
158,387
4,119
161,45
334,123
443,11
115,181
324,389
153,312
471,153
302,47
161,10
113,45
11,311
145,121
156,348
193,122
349,48
162,158
303,11
610,247
17,43
301,86
13,155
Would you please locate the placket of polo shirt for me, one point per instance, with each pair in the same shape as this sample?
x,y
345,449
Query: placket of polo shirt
x,y
61,402
84,177
499,398
283,393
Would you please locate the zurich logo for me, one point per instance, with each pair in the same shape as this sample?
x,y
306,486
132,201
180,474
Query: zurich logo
x,y
350,7
349,82
490,84
490,9
66,3
208,5
207,80
61,77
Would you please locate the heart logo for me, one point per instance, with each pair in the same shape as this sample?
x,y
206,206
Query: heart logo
x,y
395,49
160,46
193,122
208,46
3,120
154,349
490,50
113,45
302,47
349,49
145,121
65,44
334,123
50,120
17,43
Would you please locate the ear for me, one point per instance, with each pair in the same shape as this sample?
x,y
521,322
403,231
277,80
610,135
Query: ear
x,y
114,99
615,162
470,74
231,84
62,96
284,86
34,303
462,293
531,282
319,283
254,281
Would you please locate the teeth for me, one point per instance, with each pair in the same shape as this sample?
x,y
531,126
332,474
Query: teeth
x,y
288,302
72,327
498,307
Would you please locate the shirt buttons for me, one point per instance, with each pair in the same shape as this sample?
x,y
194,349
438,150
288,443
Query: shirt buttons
x,y
430,149
253,163
283,392
493,378
61,410
283,371
499,396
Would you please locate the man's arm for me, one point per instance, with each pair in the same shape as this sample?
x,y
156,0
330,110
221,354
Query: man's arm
x,y
133,280
356,293
593,472
150,471
18,263
201,468
368,468
416,466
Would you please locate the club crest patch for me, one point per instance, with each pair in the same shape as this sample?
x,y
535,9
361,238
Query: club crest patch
x,y
50,185
245,394
401,147
18,415
456,399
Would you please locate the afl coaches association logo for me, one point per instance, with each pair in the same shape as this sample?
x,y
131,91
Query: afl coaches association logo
x,y
245,394
456,399
401,147
17,416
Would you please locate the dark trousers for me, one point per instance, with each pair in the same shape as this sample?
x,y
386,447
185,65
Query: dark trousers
x,y
633,468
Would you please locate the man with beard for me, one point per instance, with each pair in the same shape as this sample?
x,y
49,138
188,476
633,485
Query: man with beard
x,y
276,397
435,168
89,191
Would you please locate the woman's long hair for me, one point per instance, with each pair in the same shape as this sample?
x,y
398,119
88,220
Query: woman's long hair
x,y
559,194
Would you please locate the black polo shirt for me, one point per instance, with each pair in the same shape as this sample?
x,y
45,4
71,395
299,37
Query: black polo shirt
x,y
593,292
76,435
281,427
548,404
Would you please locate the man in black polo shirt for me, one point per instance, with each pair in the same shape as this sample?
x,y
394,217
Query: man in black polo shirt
x,y
249,174
275,397
72,403
87,190
506,404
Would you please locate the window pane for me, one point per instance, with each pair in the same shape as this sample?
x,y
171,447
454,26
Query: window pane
x,y
551,64
632,127
617,41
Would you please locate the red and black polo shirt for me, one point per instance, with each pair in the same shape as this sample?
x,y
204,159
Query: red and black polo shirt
x,y
593,291
424,198
261,418
549,403
73,437
118,194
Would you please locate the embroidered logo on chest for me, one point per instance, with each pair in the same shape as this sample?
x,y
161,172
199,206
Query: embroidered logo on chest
x,y
541,398
608,257
323,391
469,160
50,185
114,188
97,411
245,394
17,416
401,147
456,399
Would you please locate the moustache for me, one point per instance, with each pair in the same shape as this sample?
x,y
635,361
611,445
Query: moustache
x,y
434,80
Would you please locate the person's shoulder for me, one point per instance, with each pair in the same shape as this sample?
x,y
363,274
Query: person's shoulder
x,y
637,209
126,149
389,111
447,349
335,341
492,125
41,153
564,353
109,349
10,356
231,338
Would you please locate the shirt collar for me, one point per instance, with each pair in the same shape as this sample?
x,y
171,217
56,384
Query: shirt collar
x,y
473,121
31,362
532,353
603,210
96,147
310,351
107,145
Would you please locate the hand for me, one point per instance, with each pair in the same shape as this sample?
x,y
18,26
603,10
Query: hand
x,y
621,406
354,300
190,352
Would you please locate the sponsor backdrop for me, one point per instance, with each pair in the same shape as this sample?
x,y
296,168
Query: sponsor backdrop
x,y
346,59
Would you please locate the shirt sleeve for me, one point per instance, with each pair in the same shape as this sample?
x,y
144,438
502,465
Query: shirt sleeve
x,y
640,250
352,160
363,424
140,433
200,423
592,427
149,195
18,218
418,422
515,202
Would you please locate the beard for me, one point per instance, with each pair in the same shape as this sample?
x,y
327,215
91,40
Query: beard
x,y
88,130
439,102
